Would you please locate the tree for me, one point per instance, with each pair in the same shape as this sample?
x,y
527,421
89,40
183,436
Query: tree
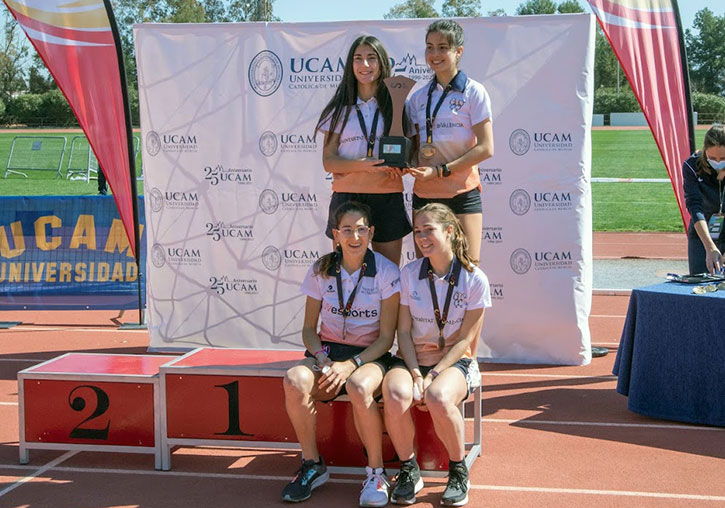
x,y
706,52
497,12
461,9
536,7
569,7
13,58
412,9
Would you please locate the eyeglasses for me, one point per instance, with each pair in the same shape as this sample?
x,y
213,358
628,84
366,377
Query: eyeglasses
x,y
348,231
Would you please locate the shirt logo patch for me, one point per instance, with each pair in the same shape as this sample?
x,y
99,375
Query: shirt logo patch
x,y
456,104
459,300
330,288
414,296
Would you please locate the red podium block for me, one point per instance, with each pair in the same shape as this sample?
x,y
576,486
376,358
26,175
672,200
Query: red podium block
x,y
235,397
95,402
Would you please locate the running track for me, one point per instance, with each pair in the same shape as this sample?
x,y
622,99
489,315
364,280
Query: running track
x,y
552,436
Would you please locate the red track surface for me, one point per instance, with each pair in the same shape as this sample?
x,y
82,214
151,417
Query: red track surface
x,y
552,436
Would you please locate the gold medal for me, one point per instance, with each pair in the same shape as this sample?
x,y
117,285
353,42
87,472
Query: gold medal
x,y
428,151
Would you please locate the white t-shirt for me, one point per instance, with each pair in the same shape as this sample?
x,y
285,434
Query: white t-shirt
x,y
380,282
465,105
471,291
353,145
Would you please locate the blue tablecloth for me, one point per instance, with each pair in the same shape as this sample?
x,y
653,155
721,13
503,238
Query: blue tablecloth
x,y
671,357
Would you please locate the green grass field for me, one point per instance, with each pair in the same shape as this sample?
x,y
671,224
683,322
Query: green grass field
x,y
615,154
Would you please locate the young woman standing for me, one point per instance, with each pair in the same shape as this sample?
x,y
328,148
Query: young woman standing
x,y
451,125
353,121
354,293
442,300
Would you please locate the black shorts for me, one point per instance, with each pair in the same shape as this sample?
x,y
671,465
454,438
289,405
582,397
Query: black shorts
x,y
467,202
390,219
467,366
338,352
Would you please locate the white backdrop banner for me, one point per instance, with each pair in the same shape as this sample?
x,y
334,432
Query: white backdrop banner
x,y
236,197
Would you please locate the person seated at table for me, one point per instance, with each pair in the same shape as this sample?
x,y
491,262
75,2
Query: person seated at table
x,y
354,292
702,175
442,300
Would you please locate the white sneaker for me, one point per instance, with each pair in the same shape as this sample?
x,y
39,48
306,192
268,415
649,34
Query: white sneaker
x,y
375,488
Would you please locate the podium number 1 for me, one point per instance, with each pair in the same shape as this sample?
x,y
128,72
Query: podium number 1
x,y
233,405
79,404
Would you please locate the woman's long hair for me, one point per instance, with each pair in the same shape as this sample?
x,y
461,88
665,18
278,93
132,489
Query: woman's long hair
x,y
345,98
322,266
715,136
444,216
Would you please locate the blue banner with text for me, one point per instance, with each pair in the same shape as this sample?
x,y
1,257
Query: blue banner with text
x,y
67,252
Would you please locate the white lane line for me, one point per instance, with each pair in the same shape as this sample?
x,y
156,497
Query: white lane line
x,y
8,403
70,329
355,481
520,421
36,360
49,465
554,376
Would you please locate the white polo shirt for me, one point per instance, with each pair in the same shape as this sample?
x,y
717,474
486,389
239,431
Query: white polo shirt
x,y
465,105
354,146
471,292
380,281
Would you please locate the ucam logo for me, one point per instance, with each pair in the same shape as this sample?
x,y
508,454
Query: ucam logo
x,y
299,201
157,199
170,143
265,73
268,201
225,284
552,260
268,143
315,72
218,230
175,256
555,201
519,142
491,176
179,200
271,258
300,257
553,142
520,261
218,174
298,143
520,202
497,291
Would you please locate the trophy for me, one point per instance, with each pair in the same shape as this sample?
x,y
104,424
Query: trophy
x,y
395,148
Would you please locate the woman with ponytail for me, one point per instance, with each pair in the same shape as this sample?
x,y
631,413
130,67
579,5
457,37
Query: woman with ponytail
x,y
353,292
442,300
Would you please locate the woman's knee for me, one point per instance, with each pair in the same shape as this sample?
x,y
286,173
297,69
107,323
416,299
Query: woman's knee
x,y
299,381
361,389
439,398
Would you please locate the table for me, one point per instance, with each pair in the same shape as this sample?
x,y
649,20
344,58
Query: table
x,y
671,358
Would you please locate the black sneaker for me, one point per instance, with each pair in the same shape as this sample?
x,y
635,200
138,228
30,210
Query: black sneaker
x,y
456,493
310,476
408,484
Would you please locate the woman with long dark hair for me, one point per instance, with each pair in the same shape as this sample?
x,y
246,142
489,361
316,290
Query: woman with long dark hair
x,y
359,113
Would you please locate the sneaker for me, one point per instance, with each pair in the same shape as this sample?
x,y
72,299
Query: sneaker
x,y
310,476
456,493
408,484
375,488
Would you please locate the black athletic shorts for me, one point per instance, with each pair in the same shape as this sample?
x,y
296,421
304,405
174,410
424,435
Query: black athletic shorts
x,y
390,219
468,202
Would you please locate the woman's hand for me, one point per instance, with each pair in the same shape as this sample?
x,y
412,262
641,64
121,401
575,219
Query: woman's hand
x,y
334,379
419,392
372,165
714,261
423,173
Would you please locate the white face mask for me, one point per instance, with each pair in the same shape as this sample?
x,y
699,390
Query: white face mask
x,y
717,166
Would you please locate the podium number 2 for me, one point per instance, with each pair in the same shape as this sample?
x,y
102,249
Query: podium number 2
x,y
78,403
233,429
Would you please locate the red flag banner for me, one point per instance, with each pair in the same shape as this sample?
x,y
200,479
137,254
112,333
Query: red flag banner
x,y
76,42
645,36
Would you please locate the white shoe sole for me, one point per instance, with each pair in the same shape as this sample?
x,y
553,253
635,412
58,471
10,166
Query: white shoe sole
x,y
418,488
463,501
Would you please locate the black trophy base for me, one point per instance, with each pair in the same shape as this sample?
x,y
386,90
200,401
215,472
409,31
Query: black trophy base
x,y
395,151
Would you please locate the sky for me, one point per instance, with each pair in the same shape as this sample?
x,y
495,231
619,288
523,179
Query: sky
x,y
342,10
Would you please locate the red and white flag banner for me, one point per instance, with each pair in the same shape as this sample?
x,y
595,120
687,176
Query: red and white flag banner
x,y
76,42
644,35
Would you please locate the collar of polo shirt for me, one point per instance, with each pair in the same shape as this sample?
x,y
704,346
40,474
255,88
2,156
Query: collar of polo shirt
x,y
370,268
425,265
458,83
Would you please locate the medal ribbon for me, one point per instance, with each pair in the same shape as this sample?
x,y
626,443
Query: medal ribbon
x,y
373,129
345,308
428,119
442,318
